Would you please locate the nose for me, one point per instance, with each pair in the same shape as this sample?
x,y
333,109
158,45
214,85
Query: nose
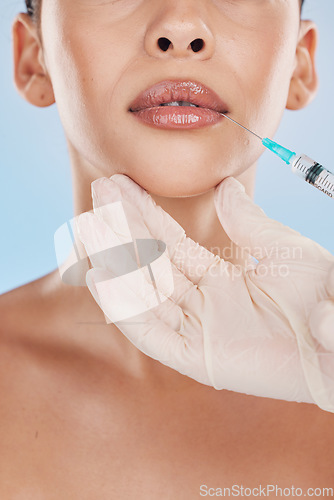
x,y
180,31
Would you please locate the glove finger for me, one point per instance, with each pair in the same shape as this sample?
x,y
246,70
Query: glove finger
x,y
143,212
321,323
99,241
330,283
146,331
111,210
103,246
247,225
167,312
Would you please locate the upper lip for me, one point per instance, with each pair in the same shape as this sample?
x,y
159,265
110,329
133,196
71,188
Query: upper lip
x,y
177,90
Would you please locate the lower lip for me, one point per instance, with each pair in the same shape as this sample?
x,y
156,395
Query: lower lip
x,y
178,117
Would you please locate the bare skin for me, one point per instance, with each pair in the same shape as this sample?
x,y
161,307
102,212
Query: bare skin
x,y
84,414
84,417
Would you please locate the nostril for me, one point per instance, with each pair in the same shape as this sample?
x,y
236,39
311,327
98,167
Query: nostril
x,y
164,43
197,44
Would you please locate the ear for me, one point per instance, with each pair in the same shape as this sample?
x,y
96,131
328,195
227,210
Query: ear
x,y
31,78
304,81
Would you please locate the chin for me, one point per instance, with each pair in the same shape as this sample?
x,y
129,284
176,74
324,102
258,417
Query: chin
x,y
174,183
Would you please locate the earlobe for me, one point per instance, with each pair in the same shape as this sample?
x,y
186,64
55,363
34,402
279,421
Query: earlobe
x,y
30,76
304,81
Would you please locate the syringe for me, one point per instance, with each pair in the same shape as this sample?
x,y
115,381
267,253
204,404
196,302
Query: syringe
x,y
306,168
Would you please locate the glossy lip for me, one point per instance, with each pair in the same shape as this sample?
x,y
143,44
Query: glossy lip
x,y
179,90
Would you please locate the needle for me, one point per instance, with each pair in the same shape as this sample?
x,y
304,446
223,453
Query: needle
x,y
242,126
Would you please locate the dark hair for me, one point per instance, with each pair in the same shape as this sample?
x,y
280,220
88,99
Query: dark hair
x,y
34,8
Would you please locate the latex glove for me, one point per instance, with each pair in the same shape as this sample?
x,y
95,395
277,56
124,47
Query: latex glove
x,y
322,318
245,330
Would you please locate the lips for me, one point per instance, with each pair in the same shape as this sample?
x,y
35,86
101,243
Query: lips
x,y
174,90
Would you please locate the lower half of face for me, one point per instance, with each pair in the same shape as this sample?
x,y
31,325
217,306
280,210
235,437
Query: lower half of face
x,y
247,60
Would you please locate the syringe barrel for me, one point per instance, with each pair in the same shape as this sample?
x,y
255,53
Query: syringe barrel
x,y
313,173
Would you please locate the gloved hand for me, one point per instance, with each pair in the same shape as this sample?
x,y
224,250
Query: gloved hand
x,y
241,329
321,319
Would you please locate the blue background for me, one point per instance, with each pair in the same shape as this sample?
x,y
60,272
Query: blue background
x,y
36,194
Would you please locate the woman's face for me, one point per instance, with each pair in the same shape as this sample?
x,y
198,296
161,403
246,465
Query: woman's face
x,y
101,54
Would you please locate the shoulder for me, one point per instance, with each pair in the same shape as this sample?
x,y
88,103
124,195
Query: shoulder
x,y
18,309
29,343
23,322
15,322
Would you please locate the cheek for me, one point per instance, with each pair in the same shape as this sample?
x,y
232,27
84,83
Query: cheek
x,y
270,67
69,84
84,75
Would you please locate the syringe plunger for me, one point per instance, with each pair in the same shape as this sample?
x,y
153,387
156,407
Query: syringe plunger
x,y
313,173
